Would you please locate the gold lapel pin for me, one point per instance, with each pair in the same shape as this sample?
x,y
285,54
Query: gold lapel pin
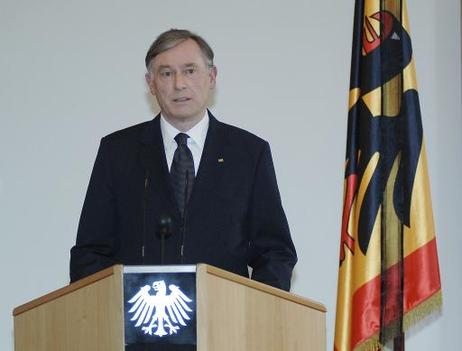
x,y
221,160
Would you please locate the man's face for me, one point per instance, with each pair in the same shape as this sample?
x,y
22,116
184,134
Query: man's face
x,y
182,82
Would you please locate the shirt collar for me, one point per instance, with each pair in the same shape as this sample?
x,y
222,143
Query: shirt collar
x,y
197,134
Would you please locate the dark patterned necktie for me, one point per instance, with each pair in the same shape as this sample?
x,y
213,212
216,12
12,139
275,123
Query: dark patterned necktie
x,y
182,172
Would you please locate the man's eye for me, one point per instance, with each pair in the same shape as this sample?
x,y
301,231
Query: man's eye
x,y
189,71
165,74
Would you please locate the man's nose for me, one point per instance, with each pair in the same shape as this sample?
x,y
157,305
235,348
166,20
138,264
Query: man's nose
x,y
180,82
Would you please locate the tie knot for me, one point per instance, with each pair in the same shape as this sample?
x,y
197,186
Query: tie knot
x,y
181,139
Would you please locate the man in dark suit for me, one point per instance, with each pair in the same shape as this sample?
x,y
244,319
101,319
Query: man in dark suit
x,y
214,182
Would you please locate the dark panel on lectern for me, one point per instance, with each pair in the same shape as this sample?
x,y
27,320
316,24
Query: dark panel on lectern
x,y
160,311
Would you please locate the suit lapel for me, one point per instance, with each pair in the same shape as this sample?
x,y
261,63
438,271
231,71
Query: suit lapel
x,y
210,168
152,158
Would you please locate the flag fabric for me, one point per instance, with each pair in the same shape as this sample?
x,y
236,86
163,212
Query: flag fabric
x,y
388,274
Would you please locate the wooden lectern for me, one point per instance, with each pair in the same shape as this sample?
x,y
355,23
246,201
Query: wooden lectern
x,y
232,314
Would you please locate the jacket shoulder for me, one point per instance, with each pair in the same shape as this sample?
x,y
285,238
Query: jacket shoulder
x,y
126,134
242,137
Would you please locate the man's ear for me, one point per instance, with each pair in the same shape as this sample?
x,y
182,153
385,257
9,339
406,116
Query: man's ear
x,y
213,76
150,80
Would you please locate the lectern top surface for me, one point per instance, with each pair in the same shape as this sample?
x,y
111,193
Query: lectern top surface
x,y
161,269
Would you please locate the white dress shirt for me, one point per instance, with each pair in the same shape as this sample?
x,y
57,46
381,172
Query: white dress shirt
x,y
196,140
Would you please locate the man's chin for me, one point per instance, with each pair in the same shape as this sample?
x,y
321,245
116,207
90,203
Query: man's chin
x,y
183,117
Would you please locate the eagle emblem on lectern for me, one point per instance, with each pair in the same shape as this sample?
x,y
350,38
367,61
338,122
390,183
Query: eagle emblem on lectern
x,y
160,312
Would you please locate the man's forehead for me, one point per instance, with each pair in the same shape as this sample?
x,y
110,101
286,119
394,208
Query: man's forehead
x,y
184,54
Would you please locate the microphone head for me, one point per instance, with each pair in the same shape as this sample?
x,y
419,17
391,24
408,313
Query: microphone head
x,y
165,226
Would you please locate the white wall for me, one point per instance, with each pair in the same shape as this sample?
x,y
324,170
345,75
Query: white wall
x,y
72,71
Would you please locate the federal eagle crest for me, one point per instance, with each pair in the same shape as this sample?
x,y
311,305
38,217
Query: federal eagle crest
x,y
161,312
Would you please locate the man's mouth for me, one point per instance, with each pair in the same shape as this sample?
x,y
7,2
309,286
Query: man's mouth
x,y
181,99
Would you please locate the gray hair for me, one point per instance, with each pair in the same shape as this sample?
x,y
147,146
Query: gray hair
x,y
174,37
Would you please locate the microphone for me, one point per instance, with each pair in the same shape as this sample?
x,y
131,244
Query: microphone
x,y
164,231
185,212
145,209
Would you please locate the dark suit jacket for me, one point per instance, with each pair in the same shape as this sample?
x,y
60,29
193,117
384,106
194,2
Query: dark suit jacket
x,y
234,215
